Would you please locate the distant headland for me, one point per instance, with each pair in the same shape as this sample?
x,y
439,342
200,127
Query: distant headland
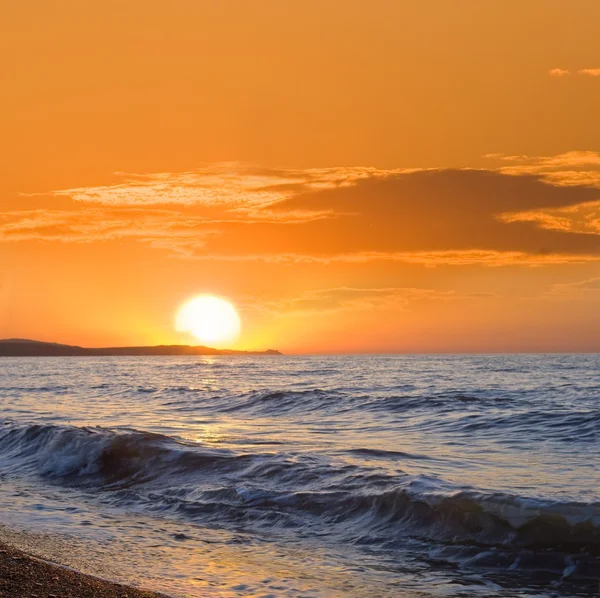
x,y
17,347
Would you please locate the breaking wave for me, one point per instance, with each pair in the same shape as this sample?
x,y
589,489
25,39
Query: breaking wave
x,y
277,491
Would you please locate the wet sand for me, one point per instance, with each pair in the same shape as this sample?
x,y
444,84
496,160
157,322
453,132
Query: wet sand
x,y
24,576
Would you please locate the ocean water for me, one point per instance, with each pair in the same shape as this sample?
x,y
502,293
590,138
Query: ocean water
x,y
309,476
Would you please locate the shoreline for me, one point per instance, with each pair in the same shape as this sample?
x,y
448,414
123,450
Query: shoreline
x,y
24,575
29,348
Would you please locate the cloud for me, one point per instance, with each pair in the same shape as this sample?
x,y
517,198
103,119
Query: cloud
x,y
234,187
559,72
189,237
581,218
87,226
584,289
343,299
528,211
571,169
429,259
590,72
432,211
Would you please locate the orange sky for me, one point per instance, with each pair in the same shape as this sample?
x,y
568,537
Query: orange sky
x,y
354,176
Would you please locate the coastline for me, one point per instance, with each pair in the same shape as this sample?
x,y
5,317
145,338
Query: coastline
x,y
15,347
25,575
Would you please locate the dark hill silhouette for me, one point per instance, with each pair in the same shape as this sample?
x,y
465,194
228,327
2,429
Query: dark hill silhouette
x,y
17,347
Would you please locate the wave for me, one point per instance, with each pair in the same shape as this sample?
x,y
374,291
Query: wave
x,y
385,454
19,390
279,491
282,402
470,517
102,456
567,426
289,402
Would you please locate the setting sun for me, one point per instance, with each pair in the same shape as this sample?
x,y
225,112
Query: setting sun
x,y
209,319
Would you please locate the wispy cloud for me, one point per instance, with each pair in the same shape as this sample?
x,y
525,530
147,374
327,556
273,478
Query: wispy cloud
x,y
590,72
234,187
343,299
576,168
582,289
571,169
581,218
429,259
354,215
189,237
560,72
77,226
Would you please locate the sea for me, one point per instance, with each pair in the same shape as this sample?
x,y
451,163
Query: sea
x,y
308,476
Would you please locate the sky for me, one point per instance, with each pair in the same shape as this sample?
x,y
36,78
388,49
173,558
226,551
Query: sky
x,y
381,176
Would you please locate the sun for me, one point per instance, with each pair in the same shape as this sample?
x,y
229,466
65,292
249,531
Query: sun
x,y
210,319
